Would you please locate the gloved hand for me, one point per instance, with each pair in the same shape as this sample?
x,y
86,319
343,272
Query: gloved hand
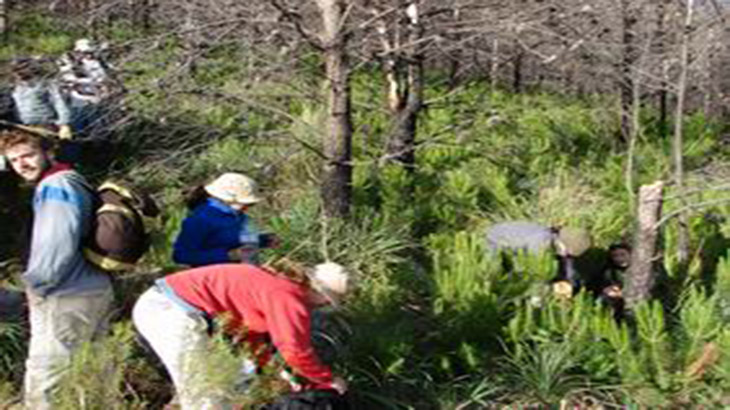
x,y
65,132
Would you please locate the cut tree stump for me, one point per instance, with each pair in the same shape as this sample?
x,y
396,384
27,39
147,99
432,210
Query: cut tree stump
x,y
641,273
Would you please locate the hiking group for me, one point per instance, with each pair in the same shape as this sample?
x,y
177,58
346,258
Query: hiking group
x,y
70,296
74,244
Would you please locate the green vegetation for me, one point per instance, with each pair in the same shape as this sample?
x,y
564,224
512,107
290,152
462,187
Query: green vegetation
x,y
436,322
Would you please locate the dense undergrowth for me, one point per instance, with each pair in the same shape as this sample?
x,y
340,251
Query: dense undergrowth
x,y
435,323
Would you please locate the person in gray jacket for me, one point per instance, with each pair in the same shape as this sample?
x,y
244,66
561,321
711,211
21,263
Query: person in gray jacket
x,y
38,101
68,299
531,237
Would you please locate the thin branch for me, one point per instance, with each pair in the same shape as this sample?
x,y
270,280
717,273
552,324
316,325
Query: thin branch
x,y
296,19
689,207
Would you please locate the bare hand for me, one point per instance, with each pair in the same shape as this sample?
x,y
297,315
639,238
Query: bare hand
x,y
613,291
235,255
339,384
65,133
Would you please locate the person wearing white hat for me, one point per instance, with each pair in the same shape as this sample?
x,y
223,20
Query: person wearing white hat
x,y
85,78
273,305
38,100
218,228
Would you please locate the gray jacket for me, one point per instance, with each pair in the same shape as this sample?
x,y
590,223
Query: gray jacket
x,y
520,235
62,207
41,102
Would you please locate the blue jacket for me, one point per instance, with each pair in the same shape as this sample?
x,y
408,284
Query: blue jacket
x,y
210,231
62,211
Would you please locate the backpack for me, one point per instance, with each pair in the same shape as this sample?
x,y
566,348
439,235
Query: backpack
x,y
310,400
118,237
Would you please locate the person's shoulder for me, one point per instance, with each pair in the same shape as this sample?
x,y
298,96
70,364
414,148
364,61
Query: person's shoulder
x,y
69,179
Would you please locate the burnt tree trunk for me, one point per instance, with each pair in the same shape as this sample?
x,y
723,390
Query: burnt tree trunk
x,y
336,189
517,61
628,61
407,103
661,49
4,6
141,10
641,273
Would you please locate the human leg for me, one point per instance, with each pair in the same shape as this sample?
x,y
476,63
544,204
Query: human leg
x,y
59,325
176,336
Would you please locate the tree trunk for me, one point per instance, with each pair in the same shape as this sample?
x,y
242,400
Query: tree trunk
x,y
640,280
517,70
401,146
337,173
633,139
661,40
677,143
456,55
141,13
494,66
628,61
4,6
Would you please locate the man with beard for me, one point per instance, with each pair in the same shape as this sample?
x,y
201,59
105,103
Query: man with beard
x,y
68,299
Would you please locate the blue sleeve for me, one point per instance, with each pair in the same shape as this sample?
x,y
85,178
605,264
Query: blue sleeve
x,y
57,232
189,247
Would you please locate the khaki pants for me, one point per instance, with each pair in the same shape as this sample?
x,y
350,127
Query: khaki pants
x,y
180,340
58,326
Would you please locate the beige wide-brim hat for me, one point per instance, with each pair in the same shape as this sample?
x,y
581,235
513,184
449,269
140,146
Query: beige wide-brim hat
x,y
331,280
235,188
575,241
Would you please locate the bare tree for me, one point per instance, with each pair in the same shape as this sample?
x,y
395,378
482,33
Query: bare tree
x,y
403,66
337,173
641,274
4,7
677,142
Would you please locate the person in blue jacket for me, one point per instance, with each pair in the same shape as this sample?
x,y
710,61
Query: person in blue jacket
x,y
218,229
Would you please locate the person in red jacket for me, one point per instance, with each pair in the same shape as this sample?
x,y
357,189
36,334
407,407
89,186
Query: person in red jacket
x,y
273,306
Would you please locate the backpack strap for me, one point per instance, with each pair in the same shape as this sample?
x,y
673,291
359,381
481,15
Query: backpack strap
x,y
106,263
123,210
126,193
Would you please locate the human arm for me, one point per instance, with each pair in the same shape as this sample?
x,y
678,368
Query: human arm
x,y
288,321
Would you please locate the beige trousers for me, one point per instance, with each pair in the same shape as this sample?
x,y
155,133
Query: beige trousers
x,y
58,326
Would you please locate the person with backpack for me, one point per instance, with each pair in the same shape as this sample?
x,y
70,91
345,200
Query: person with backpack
x,y
565,243
68,299
218,228
37,100
86,80
272,305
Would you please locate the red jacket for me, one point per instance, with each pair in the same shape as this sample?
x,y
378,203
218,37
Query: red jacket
x,y
267,305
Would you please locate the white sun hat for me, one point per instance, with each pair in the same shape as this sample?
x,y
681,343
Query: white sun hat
x,y
330,279
84,45
235,188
